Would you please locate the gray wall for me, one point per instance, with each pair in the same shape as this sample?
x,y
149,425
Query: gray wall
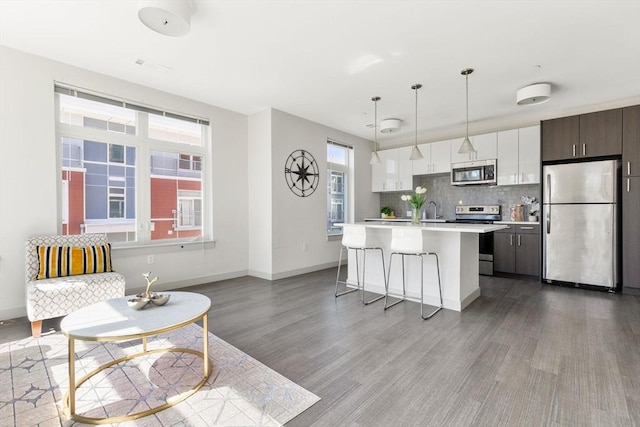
x,y
446,196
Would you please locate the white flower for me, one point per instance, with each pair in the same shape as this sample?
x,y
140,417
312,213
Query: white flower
x,y
405,198
420,190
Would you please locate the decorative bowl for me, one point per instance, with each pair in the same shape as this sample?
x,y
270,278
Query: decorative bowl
x,y
138,303
160,299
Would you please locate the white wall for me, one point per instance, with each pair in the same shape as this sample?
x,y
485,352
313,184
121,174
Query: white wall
x,y
299,221
28,179
259,194
259,224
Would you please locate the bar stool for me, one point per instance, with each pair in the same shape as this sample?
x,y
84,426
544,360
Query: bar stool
x,y
356,237
409,241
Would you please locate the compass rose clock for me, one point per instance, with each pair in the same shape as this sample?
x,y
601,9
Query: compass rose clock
x,y
301,173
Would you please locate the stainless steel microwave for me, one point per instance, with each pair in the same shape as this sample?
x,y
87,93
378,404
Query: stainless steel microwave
x,y
478,172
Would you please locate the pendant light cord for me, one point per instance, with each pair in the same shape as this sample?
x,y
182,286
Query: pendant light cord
x,y
375,100
467,80
416,139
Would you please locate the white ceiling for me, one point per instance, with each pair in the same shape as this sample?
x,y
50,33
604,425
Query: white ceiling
x,y
324,60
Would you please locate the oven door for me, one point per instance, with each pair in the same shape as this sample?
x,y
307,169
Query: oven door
x,y
485,251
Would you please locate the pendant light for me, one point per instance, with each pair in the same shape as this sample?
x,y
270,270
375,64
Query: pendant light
x,y
467,146
375,158
415,151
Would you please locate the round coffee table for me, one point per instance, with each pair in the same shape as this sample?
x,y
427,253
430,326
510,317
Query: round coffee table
x,y
114,320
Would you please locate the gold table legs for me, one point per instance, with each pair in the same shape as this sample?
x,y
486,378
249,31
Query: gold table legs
x,y
69,400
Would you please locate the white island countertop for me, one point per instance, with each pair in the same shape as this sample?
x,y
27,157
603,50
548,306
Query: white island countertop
x,y
457,248
435,226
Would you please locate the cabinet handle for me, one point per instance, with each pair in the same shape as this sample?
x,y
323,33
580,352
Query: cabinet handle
x,y
584,149
628,181
629,168
526,228
511,240
519,239
573,147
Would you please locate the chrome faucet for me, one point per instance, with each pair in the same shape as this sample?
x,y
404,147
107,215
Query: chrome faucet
x,y
435,208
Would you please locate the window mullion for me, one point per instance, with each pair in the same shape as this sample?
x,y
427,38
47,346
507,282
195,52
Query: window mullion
x,y
143,198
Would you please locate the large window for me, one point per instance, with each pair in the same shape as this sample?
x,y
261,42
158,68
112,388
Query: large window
x,y
339,164
133,172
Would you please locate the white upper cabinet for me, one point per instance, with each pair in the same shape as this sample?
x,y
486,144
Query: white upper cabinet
x,y
529,155
519,156
486,146
378,175
423,166
508,157
405,169
395,173
437,158
440,157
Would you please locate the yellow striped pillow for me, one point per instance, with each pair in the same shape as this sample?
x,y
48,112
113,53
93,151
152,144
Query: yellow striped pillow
x,y
59,261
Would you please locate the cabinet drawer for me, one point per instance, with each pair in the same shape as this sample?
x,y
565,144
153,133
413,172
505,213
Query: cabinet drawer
x,y
510,229
527,229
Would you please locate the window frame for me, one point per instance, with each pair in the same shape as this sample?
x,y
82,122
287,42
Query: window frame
x,y
143,145
347,171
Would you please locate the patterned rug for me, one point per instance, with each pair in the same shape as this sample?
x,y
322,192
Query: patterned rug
x,y
240,391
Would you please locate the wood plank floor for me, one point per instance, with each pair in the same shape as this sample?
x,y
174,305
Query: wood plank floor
x,y
523,353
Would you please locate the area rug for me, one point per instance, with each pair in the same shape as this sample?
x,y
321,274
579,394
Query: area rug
x,y
240,391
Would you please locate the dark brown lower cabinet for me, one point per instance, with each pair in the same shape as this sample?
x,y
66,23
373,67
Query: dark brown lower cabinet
x,y
631,232
517,250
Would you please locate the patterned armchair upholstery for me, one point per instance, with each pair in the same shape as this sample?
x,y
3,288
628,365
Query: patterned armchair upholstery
x,y
49,298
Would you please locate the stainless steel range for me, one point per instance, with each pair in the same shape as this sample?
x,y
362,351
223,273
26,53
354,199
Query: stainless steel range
x,y
480,215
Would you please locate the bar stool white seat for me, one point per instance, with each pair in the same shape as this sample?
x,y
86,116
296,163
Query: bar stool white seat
x,y
356,237
410,242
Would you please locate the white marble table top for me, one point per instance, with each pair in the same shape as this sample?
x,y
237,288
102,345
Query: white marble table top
x,y
114,320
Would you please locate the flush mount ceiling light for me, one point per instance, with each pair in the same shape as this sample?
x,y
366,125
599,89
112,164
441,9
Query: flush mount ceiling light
x,y
168,17
533,94
415,151
390,125
467,146
375,158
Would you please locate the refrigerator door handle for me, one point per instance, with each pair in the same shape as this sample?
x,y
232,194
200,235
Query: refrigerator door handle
x,y
548,219
548,189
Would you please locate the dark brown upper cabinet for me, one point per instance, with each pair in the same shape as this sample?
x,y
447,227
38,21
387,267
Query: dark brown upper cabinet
x,y
631,141
584,136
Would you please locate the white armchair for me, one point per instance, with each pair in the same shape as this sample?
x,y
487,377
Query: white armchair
x,y
59,296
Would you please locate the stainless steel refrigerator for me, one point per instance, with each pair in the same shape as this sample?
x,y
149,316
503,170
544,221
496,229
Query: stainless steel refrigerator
x,y
579,219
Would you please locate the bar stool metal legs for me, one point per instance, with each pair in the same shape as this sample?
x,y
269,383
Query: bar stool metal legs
x,y
364,269
404,287
386,284
348,291
422,288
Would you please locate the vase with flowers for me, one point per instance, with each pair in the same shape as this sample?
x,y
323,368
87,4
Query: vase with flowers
x,y
534,207
416,201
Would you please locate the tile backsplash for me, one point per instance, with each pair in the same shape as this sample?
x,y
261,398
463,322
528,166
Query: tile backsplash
x,y
447,196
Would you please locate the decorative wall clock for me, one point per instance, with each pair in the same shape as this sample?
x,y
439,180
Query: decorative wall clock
x,y
301,173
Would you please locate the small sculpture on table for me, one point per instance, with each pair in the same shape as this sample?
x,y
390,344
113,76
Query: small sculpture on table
x,y
143,299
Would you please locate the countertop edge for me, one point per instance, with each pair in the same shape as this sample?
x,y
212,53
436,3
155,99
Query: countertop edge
x,y
440,227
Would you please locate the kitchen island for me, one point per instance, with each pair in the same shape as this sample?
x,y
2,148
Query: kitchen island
x,y
457,248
